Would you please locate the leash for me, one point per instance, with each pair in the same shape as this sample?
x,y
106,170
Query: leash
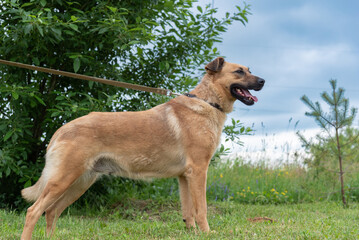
x,y
161,91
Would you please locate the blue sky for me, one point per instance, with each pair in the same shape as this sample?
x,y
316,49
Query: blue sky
x,y
297,47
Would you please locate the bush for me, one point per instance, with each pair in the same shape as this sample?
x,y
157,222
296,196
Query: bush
x,y
154,43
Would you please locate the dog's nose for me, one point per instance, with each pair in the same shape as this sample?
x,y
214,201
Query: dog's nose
x,y
261,81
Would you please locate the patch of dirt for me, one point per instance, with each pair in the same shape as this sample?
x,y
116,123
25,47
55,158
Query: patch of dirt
x,y
214,210
132,208
261,219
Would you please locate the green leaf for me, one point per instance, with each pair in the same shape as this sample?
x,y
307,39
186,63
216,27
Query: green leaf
x,y
2,127
69,32
56,30
60,97
103,30
74,18
8,171
91,84
75,56
15,95
39,28
139,51
43,3
28,183
113,9
36,61
28,28
40,100
27,4
77,64
74,27
8,134
200,9
133,42
55,114
135,29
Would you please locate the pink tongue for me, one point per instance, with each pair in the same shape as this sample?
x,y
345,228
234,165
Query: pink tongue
x,y
248,94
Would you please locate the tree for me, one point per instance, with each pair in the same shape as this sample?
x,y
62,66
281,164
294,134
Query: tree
x,y
339,119
157,43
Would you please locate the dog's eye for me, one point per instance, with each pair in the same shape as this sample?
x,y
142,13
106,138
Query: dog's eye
x,y
239,71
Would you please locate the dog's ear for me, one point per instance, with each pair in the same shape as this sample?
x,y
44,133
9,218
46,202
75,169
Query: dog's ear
x,y
215,66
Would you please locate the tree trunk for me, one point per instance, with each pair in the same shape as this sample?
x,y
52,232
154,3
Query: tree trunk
x,y
340,169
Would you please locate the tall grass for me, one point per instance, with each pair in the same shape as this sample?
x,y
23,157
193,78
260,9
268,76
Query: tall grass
x,y
235,180
232,180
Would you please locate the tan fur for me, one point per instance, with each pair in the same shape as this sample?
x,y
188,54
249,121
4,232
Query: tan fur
x,y
175,139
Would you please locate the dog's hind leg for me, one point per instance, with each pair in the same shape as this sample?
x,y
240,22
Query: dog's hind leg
x,y
186,203
76,190
57,184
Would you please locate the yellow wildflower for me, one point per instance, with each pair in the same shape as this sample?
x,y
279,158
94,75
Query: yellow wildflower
x,y
272,190
221,175
283,193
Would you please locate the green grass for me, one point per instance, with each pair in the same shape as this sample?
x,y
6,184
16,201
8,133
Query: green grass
x,y
301,205
146,219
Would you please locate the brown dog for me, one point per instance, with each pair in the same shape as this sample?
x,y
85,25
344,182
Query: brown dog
x,y
174,139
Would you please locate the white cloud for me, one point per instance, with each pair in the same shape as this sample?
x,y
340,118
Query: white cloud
x,y
273,149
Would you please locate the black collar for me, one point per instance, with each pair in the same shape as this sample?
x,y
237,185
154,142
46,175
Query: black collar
x,y
215,105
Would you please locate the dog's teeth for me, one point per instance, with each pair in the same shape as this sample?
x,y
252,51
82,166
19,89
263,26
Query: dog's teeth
x,y
239,91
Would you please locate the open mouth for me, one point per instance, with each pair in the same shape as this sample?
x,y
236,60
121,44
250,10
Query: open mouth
x,y
243,94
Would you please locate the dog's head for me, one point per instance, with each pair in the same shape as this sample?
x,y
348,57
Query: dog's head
x,y
236,80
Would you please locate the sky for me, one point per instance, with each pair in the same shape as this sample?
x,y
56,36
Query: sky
x,y
297,46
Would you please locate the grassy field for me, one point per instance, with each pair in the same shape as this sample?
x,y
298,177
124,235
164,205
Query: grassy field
x,y
146,219
297,204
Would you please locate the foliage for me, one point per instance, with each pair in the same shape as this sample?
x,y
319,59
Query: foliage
x,y
230,181
339,119
232,134
321,160
259,184
157,43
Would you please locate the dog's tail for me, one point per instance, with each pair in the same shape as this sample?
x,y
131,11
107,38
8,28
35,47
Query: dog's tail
x,y
31,194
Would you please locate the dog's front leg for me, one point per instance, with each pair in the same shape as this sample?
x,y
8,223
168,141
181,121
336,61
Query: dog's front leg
x,y
197,187
186,203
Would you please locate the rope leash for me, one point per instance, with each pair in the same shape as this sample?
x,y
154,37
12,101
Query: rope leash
x,y
161,91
